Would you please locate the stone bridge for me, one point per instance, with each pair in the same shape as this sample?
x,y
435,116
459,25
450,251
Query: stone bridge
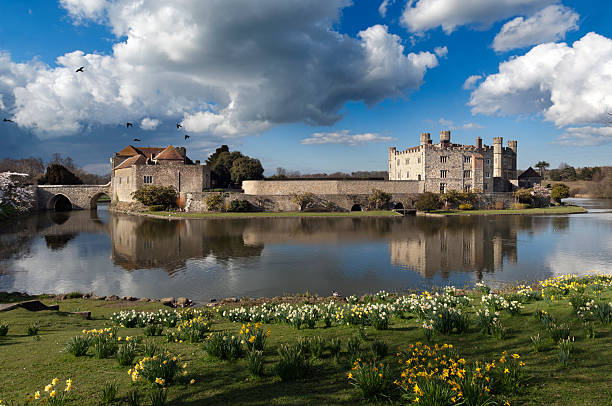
x,y
68,197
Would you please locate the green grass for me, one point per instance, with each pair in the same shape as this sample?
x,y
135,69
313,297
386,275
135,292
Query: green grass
x,y
381,213
28,364
541,210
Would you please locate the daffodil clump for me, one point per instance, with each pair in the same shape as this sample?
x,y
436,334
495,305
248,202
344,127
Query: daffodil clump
x,y
52,394
224,346
255,336
161,369
565,285
496,302
168,318
372,379
438,375
193,330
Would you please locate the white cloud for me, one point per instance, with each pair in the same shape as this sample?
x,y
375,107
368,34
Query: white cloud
x,y
423,15
382,9
449,124
445,123
585,136
547,25
470,126
227,68
568,85
149,123
470,82
99,168
441,52
343,137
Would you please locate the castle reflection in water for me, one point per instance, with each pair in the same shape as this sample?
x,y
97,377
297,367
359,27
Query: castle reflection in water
x,y
426,245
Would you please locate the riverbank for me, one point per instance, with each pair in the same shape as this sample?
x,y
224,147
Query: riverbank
x,y
380,327
238,215
533,211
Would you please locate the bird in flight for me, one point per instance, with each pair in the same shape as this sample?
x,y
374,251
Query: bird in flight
x,y
7,120
186,136
178,126
128,125
80,69
136,139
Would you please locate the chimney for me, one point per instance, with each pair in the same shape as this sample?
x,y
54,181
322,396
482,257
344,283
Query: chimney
x,y
478,142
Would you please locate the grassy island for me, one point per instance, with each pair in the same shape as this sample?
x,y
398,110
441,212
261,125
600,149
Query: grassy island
x,y
492,347
532,211
231,215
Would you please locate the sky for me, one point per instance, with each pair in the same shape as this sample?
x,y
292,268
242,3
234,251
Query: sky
x,y
308,85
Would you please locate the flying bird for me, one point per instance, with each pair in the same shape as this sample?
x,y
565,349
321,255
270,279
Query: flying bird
x,y
136,139
178,126
128,125
80,69
186,136
6,120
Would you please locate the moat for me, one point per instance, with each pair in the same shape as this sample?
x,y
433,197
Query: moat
x,y
110,253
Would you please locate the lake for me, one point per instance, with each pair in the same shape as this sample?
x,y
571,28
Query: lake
x,y
110,253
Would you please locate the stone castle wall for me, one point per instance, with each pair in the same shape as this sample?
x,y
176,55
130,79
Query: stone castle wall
x,y
329,187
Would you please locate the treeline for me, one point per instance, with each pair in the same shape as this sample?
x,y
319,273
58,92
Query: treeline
x,y
567,173
282,173
231,168
592,181
51,172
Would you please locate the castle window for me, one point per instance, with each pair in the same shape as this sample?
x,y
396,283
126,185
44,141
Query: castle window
x,y
148,179
443,173
487,174
467,174
488,161
419,177
419,161
467,188
485,186
407,161
442,187
407,175
398,161
443,159
467,159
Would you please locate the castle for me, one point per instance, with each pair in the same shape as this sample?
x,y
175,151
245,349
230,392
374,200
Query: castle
x,y
134,167
446,166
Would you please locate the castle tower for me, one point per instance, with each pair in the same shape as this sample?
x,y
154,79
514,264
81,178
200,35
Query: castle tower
x,y
479,143
425,138
512,145
497,157
444,138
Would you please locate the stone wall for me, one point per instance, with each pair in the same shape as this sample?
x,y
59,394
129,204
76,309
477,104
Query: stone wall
x,y
329,187
80,196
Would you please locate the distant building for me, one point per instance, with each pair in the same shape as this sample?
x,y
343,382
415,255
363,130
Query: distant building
x,y
529,178
134,167
446,166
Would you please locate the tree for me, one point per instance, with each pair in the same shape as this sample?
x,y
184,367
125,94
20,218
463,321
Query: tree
x,y
542,165
379,199
222,167
523,196
559,191
210,161
214,202
154,195
245,168
428,202
59,175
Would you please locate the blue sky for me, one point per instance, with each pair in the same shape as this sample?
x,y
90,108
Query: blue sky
x,y
306,85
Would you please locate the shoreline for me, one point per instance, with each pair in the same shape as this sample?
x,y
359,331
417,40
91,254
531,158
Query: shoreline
x,y
512,212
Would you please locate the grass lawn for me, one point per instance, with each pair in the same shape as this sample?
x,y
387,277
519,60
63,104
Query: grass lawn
x,y
541,210
29,363
379,213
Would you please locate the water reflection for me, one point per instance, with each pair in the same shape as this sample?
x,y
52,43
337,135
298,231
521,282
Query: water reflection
x,y
91,251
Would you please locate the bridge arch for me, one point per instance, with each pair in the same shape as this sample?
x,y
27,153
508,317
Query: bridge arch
x,y
398,206
93,202
356,207
59,202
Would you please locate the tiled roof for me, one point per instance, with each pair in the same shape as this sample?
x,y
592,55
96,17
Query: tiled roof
x,y
170,153
131,150
529,173
135,160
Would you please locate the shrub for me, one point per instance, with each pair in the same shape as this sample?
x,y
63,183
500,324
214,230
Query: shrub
x,y
558,192
155,207
160,369
373,380
379,199
74,295
3,329
223,346
151,195
519,206
152,330
239,206
428,202
466,206
214,202
32,329
292,364
303,199
108,393
523,196
77,346
126,353
255,362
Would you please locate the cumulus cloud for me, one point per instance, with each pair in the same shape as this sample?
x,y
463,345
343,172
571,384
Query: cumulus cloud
x,y
586,136
226,68
470,82
547,25
382,9
344,137
441,52
449,124
423,15
568,85
149,123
